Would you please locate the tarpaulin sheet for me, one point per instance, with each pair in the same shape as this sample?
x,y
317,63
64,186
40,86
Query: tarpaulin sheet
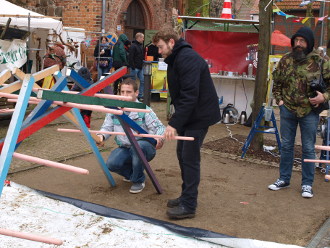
x,y
226,50
279,39
197,233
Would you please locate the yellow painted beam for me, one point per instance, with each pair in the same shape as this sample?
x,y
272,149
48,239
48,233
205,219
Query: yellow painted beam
x,y
46,72
4,76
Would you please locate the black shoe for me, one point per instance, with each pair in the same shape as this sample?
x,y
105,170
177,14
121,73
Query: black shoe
x,y
173,202
180,212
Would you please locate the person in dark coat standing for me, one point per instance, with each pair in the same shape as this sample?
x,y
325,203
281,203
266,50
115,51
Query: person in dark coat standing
x,y
135,61
196,108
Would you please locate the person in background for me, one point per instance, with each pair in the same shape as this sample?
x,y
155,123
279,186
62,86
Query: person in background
x,y
124,160
102,54
135,61
119,58
55,56
127,45
196,108
297,102
85,74
152,50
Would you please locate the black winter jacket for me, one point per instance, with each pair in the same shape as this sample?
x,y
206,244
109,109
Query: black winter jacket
x,y
191,88
136,55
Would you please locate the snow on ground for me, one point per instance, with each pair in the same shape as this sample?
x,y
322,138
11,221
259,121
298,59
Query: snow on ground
x,y
25,210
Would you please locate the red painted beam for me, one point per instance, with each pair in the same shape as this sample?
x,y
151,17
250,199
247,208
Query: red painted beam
x,y
53,114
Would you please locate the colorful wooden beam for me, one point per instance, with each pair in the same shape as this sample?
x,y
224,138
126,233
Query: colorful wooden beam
x,y
108,96
9,144
325,148
77,98
317,161
53,114
95,108
31,237
82,83
46,72
137,148
66,130
4,76
19,74
94,147
50,163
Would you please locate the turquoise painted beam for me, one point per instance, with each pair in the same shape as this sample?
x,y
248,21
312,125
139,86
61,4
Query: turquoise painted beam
x,y
92,144
42,107
14,128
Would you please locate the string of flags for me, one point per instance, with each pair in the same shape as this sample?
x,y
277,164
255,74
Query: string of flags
x,y
278,11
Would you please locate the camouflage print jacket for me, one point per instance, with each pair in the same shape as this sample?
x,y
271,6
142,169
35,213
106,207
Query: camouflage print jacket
x,y
292,81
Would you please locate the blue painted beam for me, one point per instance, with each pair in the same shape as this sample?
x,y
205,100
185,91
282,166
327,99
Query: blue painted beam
x,y
14,128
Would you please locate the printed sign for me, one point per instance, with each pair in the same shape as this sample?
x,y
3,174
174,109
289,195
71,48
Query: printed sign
x,y
12,54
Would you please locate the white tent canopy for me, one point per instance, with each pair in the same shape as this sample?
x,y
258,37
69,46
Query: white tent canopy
x,y
37,21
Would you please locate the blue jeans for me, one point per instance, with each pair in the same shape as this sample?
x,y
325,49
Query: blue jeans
x,y
102,70
138,73
308,125
126,162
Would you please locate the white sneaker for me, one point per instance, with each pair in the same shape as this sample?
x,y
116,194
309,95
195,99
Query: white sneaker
x,y
307,191
137,188
279,184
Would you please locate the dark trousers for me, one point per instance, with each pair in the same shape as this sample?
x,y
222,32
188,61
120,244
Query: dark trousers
x,y
188,153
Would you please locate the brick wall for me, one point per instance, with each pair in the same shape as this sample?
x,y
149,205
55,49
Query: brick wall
x,y
87,14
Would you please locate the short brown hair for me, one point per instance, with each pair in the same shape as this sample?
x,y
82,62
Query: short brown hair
x,y
165,34
129,81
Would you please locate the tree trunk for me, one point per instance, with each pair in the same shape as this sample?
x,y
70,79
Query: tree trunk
x,y
328,32
309,13
260,89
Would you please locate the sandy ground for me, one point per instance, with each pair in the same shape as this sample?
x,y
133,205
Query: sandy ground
x,y
233,194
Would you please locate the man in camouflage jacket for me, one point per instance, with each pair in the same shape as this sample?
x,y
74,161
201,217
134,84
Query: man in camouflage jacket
x,y
296,100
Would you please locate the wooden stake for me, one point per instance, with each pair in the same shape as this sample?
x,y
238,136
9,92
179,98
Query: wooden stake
x,y
50,163
122,133
29,236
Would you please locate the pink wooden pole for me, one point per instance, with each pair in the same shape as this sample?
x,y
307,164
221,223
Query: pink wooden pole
x,y
108,96
325,148
7,110
29,236
51,163
316,161
122,133
136,110
96,108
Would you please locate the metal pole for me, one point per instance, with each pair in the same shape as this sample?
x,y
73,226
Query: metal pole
x,y
103,16
28,46
147,71
322,11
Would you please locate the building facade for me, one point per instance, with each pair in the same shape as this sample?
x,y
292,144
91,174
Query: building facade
x,y
120,16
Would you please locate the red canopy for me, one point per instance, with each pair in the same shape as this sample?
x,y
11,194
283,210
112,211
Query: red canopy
x,y
279,39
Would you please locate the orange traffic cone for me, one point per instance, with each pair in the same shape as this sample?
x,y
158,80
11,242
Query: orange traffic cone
x,y
226,10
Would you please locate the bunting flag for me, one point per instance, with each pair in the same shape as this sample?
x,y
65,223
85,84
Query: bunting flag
x,y
278,11
322,18
305,20
298,20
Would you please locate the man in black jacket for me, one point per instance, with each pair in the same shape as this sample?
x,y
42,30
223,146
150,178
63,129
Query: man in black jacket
x,y
135,61
196,108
